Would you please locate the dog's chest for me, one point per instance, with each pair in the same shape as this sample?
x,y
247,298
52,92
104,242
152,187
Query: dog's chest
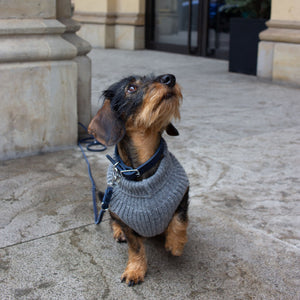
x,y
148,206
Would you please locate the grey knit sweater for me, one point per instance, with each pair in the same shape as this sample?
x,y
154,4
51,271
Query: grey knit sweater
x,y
147,206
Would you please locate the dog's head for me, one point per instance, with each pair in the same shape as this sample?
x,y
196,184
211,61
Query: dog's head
x,y
146,103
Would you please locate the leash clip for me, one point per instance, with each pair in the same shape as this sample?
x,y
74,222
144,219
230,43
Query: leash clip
x,y
116,176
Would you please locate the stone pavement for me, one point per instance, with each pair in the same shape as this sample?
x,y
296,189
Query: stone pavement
x,y
240,145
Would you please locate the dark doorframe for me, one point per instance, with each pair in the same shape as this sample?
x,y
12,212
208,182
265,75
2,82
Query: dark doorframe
x,y
202,29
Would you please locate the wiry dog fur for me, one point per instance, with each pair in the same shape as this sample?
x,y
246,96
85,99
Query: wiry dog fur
x,y
135,112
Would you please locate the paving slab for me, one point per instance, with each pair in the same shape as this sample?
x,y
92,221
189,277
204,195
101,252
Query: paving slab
x,y
239,143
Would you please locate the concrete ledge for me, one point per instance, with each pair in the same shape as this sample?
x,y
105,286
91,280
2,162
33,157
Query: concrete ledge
x,y
82,46
30,26
33,40
281,31
95,18
283,24
279,52
283,35
35,48
20,9
137,19
28,124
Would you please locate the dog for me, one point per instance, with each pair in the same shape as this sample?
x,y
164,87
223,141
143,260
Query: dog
x,y
152,200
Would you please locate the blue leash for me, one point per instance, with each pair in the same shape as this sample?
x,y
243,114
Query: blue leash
x,y
91,142
120,170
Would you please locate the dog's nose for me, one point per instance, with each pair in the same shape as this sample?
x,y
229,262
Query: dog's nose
x,y
167,79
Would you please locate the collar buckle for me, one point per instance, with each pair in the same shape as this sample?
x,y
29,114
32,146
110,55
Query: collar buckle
x,y
138,174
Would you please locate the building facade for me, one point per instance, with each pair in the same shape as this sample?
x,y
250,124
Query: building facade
x,y
112,23
191,27
45,74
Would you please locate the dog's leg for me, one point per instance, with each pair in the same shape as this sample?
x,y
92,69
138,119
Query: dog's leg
x,y
119,235
176,236
116,227
137,262
176,233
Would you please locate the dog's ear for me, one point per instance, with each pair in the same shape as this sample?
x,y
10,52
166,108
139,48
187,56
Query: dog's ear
x,y
106,127
171,130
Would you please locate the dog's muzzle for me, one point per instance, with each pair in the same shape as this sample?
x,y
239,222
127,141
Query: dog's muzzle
x,y
167,79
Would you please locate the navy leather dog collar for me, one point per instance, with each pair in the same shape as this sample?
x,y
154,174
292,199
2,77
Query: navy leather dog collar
x,y
131,173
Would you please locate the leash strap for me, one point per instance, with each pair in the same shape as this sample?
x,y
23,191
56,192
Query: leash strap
x,y
105,204
120,169
97,218
91,143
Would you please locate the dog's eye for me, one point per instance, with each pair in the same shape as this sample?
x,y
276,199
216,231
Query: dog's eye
x,y
131,88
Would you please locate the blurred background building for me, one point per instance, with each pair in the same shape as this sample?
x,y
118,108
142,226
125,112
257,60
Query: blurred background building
x,y
223,29
45,73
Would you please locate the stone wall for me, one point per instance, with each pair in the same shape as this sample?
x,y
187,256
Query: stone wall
x,y
112,23
38,80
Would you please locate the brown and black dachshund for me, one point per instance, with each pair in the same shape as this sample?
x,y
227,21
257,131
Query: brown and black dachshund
x,y
135,112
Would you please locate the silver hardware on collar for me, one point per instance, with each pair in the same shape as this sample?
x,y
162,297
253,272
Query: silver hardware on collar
x,y
116,176
138,174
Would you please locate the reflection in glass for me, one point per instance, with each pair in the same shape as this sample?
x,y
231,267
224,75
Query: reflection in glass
x,y
172,22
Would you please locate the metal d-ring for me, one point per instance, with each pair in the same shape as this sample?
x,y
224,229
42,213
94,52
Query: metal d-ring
x,y
138,174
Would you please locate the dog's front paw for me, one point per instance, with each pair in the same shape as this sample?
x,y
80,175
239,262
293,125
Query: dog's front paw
x,y
119,235
176,236
175,248
133,274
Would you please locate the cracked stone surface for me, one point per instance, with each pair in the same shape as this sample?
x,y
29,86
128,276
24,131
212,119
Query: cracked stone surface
x,y
239,143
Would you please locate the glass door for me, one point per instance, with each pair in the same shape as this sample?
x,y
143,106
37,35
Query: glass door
x,y
219,15
176,26
198,27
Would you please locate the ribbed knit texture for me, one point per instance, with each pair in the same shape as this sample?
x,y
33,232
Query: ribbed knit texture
x,y
148,206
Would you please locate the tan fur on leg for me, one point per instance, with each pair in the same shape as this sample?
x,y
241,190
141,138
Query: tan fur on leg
x,y
137,261
136,266
176,236
118,232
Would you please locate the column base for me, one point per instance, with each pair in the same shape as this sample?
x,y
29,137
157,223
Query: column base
x,y
279,52
38,114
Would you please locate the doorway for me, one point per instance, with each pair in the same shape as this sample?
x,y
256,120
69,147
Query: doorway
x,y
197,27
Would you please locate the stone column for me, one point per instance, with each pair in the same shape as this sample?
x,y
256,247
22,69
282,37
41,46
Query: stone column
x,y
38,80
64,14
130,29
279,49
112,23
97,18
